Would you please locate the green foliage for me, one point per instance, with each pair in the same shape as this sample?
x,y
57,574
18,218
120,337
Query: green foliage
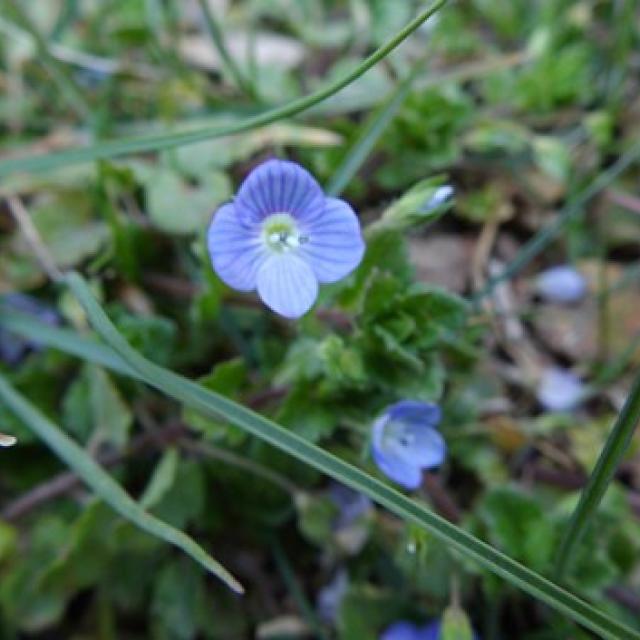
x,y
527,110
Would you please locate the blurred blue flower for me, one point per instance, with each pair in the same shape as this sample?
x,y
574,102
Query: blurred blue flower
x,y
282,236
405,441
331,596
560,390
352,505
561,284
403,630
12,347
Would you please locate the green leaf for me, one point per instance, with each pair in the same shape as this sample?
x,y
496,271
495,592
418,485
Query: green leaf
x,y
178,207
104,486
409,510
177,597
162,479
517,524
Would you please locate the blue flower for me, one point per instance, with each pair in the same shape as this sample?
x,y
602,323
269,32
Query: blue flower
x,y
403,630
405,441
13,348
351,525
560,390
331,596
561,284
282,236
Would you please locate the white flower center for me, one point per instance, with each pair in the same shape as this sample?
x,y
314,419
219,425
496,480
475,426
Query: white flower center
x,y
280,233
397,434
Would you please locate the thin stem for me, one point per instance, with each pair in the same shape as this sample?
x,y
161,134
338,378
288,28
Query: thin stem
x,y
32,238
610,457
228,63
48,161
233,459
294,588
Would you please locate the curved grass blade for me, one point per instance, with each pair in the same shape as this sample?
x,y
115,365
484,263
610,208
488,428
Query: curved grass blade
x,y
104,485
211,403
610,457
43,162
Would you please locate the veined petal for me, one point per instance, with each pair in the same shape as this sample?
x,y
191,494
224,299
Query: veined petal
x,y
416,412
236,250
334,244
287,285
405,474
279,186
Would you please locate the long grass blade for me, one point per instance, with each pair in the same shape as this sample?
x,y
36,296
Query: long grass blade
x,y
455,538
49,161
610,457
103,484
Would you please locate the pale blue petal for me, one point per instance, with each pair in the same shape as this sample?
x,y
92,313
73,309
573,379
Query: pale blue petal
x,y
279,186
430,631
560,390
561,284
416,412
334,244
405,474
287,285
236,250
427,448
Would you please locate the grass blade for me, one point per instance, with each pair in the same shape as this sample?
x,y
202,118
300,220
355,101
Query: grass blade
x,y
48,161
104,485
370,134
229,64
610,457
458,539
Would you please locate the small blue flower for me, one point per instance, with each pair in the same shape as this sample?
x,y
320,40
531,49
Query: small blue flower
x,y
282,236
560,390
331,596
403,630
12,347
561,284
405,441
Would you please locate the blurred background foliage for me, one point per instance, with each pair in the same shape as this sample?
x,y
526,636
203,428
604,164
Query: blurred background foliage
x,y
519,106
